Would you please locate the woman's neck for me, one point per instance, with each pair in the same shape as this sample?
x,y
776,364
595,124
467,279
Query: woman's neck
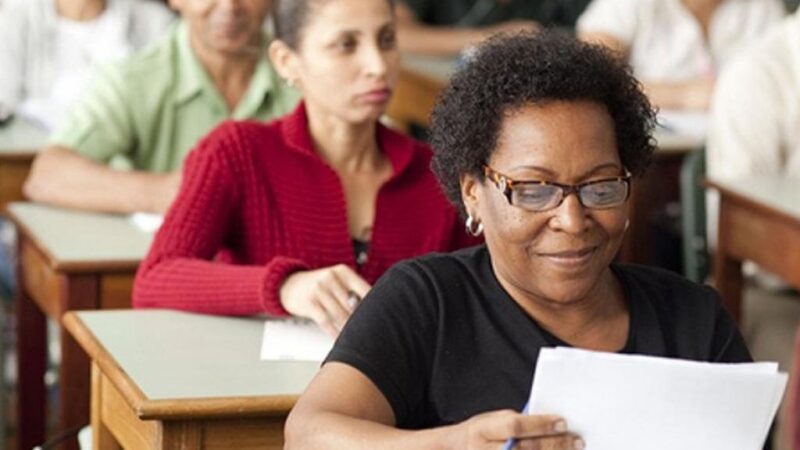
x,y
347,147
80,10
599,321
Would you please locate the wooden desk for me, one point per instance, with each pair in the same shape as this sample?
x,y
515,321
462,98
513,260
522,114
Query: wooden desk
x,y
171,380
759,220
19,142
67,260
423,78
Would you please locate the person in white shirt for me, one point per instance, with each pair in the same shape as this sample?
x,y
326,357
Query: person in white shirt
x,y
48,48
754,126
677,47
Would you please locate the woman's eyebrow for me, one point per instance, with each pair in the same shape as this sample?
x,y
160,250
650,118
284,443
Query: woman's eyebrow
x,y
552,173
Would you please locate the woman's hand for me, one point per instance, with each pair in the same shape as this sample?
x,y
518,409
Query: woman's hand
x,y
538,431
325,295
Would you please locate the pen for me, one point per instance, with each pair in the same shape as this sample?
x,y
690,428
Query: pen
x,y
511,442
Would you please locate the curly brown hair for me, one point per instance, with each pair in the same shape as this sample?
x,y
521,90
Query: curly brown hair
x,y
509,71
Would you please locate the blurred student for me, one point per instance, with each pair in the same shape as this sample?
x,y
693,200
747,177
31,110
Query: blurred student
x,y
48,48
121,148
753,128
677,47
446,27
315,206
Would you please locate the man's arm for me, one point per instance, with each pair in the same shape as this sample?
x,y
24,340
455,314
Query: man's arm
x,y
692,94
62,177
417,37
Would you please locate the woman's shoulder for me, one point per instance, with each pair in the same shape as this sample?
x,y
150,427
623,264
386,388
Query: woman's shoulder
x,y
663,284
689,316
443,269
237,140
674,298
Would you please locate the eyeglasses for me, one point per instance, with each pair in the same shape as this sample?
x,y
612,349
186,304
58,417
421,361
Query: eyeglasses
x,y
538,196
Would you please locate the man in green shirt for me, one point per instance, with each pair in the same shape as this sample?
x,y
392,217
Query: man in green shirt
x,y
121,148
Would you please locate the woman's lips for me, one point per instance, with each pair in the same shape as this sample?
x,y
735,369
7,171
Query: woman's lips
x,y
570,258
377,96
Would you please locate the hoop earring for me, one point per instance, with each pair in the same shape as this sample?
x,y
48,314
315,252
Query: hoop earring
x,y
473,226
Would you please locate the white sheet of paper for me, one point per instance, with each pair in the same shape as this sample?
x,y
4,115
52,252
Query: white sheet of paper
x,y
147,222
294,340
689,123
619,401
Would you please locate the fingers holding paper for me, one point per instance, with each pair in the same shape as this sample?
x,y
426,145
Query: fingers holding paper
x,y
327,296
532,432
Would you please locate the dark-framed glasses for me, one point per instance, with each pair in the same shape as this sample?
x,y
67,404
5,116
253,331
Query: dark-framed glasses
x,y
538,196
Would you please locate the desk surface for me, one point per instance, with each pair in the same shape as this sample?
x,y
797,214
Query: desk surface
x,y
189,359
21,139
439,69
77,240
780,194
434,67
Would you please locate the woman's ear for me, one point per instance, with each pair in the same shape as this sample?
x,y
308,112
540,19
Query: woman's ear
x,y
285,62
469,193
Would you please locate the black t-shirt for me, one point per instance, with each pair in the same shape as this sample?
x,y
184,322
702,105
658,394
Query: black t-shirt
x,y
443,341
471,13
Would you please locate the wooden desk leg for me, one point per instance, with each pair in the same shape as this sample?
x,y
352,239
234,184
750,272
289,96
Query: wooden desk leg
x,y
185,435
81,292
102,439
727,270
31,366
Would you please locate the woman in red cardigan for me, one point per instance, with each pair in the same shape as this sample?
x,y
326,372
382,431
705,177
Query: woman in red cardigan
x,y
311,208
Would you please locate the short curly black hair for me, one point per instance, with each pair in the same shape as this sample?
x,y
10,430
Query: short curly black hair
x,y
509,71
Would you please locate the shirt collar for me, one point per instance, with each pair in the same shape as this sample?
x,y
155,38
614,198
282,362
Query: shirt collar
x,y
398,148
193,80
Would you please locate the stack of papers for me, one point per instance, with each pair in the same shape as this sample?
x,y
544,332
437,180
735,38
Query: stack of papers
x,y
294,340
618,401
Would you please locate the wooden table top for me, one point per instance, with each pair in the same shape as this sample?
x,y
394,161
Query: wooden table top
x,y
21,139
777,193
78,241
174,364
440,69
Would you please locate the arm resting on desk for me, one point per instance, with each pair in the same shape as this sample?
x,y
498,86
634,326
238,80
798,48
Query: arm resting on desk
x,y
692,94
62,177
181,272
343,409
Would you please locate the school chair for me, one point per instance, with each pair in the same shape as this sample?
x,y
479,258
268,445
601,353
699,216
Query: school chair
x,y
693,217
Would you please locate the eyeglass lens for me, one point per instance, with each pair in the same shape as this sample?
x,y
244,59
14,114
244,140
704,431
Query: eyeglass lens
x,y
541,197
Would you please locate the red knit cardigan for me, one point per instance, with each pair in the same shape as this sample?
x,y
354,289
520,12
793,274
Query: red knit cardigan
x,y
262,194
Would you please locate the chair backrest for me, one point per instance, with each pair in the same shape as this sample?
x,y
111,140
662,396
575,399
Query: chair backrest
x,y
693,217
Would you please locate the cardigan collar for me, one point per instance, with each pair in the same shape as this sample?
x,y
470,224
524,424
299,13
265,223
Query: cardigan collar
x,y
398,148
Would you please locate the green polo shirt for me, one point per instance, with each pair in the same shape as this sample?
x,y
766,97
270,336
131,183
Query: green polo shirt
x,y
148,112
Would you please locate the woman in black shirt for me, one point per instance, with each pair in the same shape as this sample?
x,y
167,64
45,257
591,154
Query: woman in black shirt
x,y
537,140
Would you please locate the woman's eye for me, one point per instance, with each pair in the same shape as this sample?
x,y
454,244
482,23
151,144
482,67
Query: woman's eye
x,y
534,195
387,40
346,44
